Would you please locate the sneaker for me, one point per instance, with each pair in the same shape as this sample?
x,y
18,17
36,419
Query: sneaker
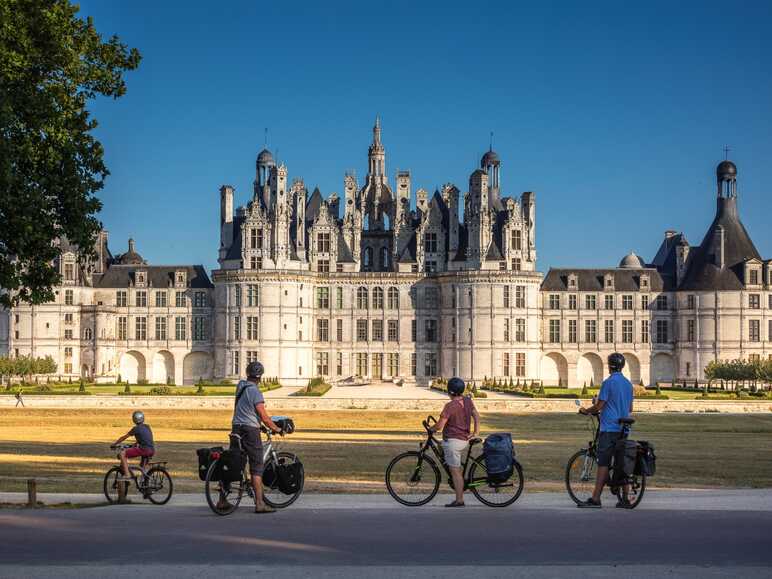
x,y
455,504
624,504
589,504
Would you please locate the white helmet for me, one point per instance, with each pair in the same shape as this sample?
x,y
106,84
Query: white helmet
x,y
138,417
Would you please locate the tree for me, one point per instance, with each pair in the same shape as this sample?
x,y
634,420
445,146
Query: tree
x,y
51,64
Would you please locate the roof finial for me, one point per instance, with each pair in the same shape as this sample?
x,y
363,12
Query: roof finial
x,y
490,148
726,152
265,139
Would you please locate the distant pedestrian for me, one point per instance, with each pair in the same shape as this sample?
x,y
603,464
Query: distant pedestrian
x,y
19,399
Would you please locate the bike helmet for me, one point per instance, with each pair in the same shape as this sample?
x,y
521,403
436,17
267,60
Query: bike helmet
x,y
616,362
138,417
456,386
255,370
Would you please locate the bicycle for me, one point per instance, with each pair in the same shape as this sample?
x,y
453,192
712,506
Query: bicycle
x,y
580,470
413,477
150,482
220,493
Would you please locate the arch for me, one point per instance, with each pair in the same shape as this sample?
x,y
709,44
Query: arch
x,y
132,367
378,298
662,368
87,334
553,369
196,366
393,298
384,258
362,298
589,370
632,369
163,367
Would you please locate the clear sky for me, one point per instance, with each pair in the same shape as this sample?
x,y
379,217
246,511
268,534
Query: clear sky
x,y
614,113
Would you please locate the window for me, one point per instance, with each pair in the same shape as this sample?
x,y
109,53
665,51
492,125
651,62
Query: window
x,y
572,331
554,331
339,330
754,358
430,243
251,327
590,302
253,295
661,336
608,331
690,302
590,331
413,365
69,271
770,335
69,297
377,330
520,364
393,298
431,297
339,364
690,330
519,296
323,242
121,298
393,361
770,302
237,295
378,298
236,361
430,364
361,364
67,319
339,298
516,264
572,301
506,364
520,330
753,331
362,298
361,330
688,369
140,328
140,299
68,334
179,328
179,299
120,328
554,301
413,331
608,302
644,331
253,237
160,328
430,330
627,331
661,302
627,302
502,266
237,328
199,328
251,356
506,296
644,302
754,277
68,352
323,265
160,299
322,363
754,301
517,239
199,300
323,297
393,330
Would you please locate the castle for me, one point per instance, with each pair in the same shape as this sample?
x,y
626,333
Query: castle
x,y
397,287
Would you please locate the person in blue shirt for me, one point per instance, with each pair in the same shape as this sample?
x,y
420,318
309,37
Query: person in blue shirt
x,y
615,401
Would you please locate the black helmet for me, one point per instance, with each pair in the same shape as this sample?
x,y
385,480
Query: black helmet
x,y
255,370
138,417
456,386
616,362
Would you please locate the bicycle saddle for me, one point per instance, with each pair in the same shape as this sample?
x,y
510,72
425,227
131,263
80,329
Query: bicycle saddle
x,y
627,421
473,441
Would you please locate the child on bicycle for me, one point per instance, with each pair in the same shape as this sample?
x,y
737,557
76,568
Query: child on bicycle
x,y
144,448
455,425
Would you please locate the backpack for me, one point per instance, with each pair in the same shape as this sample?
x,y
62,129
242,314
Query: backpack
x,y
205,458
499,454
647,460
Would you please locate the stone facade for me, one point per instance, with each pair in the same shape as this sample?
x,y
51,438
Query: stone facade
x,y
396,286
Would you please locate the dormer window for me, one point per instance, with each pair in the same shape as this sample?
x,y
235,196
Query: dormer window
x,y
645,282
180,279
141,278
753,277
572,281
608,281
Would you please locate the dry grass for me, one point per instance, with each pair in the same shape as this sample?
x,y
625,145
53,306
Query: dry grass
x,y
67,450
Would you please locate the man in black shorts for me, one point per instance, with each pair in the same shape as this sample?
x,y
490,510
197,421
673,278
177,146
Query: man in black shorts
x,y
248,413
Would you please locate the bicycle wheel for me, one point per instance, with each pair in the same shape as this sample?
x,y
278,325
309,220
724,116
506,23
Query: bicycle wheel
x,y
635,490
158,485
222,497
111,482
272,496
412,478
495,494
580,476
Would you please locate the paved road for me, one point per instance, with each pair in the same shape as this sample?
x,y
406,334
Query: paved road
x,y
339,536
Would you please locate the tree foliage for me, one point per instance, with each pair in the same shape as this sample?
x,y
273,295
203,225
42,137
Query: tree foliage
x,y
51,64
739,370
26,366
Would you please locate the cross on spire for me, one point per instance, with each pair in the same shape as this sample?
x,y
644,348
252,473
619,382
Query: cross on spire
x,y
490,148
726,152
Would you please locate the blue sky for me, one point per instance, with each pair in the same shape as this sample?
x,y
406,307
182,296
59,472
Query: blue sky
x,y
614,113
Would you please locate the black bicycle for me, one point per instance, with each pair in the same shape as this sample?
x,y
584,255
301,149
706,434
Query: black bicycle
x,y
224,497
413,477
151,479
582,468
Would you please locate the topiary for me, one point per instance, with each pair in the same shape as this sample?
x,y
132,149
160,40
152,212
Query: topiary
x,y
82,387
127,389
200,389
657,391
585,392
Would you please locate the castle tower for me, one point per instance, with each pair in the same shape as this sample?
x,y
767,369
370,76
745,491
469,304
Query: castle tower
x,y
491,164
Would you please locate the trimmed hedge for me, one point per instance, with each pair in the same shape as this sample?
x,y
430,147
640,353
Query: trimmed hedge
x,y
315,387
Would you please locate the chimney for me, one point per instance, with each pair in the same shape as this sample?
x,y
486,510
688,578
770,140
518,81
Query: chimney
x,y
226,204
669,234
132,246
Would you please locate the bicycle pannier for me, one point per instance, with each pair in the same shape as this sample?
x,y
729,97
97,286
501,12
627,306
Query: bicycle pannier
x,y
289,477
499,456
269,475
205,458
231,466
625,456
647,460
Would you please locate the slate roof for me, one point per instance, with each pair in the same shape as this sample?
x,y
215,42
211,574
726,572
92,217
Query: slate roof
x,y
159,276
591,280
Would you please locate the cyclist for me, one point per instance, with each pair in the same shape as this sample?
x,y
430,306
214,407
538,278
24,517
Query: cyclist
x,y
615,401
454,423
248,412
144,448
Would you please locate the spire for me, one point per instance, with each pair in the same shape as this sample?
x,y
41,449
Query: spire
x,y
377,130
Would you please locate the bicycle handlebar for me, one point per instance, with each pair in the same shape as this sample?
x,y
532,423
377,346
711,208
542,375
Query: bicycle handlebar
x,y
427,424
